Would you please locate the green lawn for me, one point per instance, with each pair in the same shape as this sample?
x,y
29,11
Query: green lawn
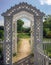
x,y
23,35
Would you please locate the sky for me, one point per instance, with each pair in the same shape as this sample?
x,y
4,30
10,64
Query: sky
x,y
43,5
26,22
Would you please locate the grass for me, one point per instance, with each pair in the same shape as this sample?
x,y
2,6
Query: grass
x,y
23,35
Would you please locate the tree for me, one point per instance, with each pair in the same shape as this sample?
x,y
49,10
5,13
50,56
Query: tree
x,y
47,27
1,32
1,27
19,25
26,30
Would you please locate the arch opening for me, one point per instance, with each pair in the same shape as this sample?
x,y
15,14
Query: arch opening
x,y
23,37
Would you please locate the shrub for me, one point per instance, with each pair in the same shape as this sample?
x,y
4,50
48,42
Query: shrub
x,y
14,54
48,35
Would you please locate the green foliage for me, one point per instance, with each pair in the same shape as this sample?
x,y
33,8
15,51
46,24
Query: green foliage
x,y
23,35
1,27
1,34
26,30
47,27
1,50
19,25
49,54
48,34
44,32
14,54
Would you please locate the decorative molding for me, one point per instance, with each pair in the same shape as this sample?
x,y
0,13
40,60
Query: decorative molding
x,y
23,7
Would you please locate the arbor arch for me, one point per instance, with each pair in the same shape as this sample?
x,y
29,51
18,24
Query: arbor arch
x,y
10,16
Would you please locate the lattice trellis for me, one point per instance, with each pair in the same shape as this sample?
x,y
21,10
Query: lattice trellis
x,y
8,47
7,42
8,31
32,35
14,37
8,34
38,28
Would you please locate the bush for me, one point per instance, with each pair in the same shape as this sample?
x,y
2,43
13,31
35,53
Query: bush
x,y
49,54
14,54
48,35
23,35
44,32
1,34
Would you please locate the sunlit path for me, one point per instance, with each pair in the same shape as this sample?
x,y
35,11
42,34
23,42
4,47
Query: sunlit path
x,y
23,50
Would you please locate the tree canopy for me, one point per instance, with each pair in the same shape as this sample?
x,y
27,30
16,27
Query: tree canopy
x,y
47,27
2,32
1,27
20,25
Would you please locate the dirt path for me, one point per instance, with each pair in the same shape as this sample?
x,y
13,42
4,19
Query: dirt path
x,y
23,51
25,46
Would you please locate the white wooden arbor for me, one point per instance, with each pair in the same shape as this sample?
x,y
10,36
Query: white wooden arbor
x,y
10,26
